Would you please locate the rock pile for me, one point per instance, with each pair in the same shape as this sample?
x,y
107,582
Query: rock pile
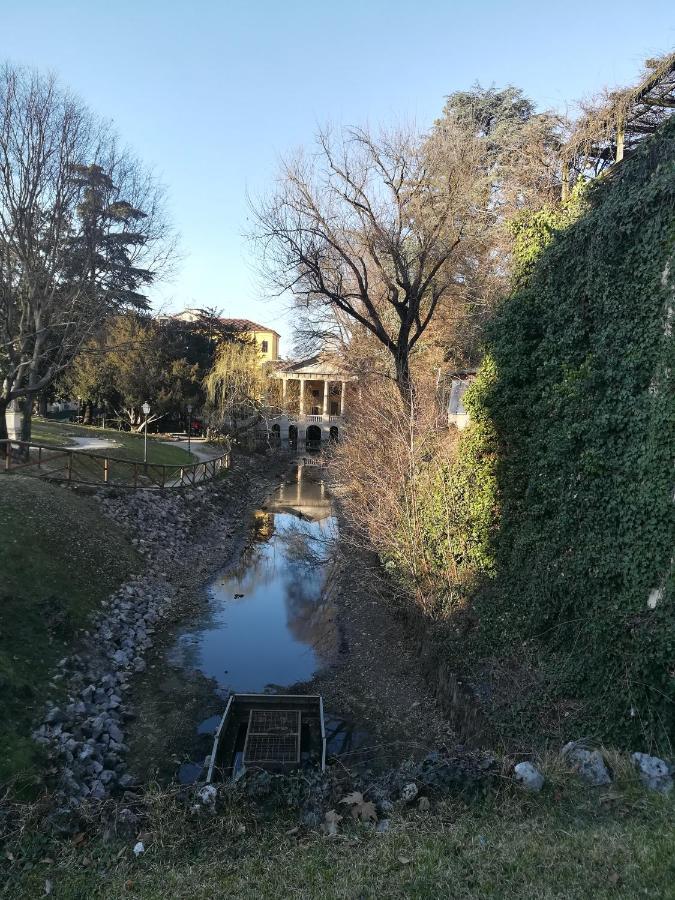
x,y
85,735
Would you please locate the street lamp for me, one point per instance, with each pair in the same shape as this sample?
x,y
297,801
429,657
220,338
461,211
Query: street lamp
x,y
146,413
189,412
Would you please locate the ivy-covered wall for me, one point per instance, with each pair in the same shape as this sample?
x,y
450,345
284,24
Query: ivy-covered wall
x,y
578,402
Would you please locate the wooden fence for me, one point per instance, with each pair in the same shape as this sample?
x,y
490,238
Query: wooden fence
x,y
74,466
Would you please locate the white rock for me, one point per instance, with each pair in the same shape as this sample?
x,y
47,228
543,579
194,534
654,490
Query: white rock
x,y
409,792
655,773
207,795
589,764
528,776
139,848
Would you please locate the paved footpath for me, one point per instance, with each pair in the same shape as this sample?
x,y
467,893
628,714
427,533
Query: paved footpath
x,y
199,447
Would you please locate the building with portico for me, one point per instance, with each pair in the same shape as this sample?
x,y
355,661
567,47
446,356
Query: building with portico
x,y
314,396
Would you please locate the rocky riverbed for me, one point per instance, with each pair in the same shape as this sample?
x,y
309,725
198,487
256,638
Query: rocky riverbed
x,y
107,697
183,536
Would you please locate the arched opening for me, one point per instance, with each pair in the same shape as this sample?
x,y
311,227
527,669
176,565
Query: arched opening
x,y
293,435
334,434
313,438
276,435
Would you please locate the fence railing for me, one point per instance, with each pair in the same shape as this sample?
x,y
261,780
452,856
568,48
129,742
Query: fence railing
x,y
75,466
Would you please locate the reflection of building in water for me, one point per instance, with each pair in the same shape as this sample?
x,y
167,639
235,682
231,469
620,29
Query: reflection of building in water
x,y
306,497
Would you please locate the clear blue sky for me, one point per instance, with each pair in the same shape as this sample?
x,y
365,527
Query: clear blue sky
x,y
211,93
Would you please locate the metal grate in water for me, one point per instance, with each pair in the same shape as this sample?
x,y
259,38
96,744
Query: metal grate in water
x,y
273,736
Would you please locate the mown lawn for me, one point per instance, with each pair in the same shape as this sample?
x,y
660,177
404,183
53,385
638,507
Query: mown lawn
x,y
128,446
569,843
59,557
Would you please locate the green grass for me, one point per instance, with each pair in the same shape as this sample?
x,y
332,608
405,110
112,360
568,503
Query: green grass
x,y
570,843
59,557
125,459
129,446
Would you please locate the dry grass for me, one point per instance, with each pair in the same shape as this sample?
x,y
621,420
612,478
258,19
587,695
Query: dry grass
x,y
568,842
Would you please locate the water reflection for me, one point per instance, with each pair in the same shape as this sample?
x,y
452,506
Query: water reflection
x,y
269,623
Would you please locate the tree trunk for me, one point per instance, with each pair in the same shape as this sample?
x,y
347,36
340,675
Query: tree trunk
x,y
3,427
403,380
26,424
42,404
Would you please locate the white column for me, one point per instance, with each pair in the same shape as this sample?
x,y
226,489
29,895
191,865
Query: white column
x,y
342,398
325,397
302,396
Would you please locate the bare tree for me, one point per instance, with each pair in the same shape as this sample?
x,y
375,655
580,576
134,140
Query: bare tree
x,y
82,231
370,230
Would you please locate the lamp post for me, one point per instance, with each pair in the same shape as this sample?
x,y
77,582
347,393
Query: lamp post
x,y
146,413
189,412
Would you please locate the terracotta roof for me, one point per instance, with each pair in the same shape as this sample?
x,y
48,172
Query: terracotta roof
x,y
246,325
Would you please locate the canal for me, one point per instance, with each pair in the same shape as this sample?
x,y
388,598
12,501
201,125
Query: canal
x,y
270,623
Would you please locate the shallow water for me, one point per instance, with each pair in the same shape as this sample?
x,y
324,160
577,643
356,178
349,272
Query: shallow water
x,y
269,624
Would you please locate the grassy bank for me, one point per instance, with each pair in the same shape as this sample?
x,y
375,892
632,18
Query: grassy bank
x,y
568,842
59,558
127,445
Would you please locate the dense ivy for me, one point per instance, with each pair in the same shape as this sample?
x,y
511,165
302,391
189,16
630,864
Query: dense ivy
x,y
576,403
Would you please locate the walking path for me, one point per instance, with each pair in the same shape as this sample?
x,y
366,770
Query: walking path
x,y
93,443
200,448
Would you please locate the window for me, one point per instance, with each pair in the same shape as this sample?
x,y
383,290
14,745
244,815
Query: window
x,y
264,346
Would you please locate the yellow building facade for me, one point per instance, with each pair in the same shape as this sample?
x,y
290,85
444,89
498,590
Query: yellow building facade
x,y
266,339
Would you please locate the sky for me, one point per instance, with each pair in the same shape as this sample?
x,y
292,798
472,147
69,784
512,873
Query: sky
x,y
211,94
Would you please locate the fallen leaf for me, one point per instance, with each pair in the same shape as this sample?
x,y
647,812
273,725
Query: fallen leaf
x,y
423,805
353,798
364,811
79,838
614,878
48,886
404,860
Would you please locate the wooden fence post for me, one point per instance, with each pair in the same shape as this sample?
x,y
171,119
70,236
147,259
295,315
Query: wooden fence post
x,y
106,470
